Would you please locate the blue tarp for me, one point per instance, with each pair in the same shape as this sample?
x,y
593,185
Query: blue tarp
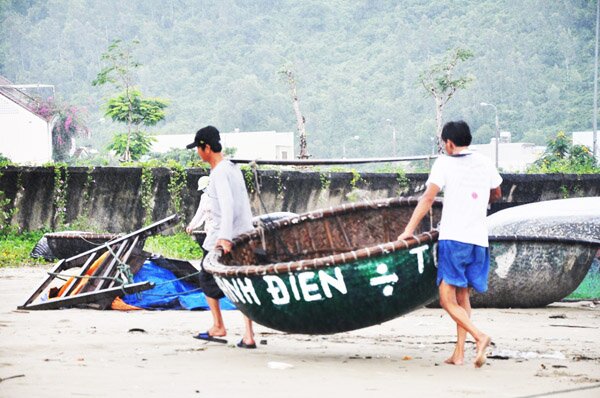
x,y
169,293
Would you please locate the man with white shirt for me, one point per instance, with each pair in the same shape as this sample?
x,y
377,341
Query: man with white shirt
x,y
202,216
470,181
231,216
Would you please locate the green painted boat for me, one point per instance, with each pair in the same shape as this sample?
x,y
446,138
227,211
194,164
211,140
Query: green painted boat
x,y
332,270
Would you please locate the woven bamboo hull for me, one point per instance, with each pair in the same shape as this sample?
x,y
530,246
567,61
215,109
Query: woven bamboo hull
x,y
540,252
528,272
331,271
68,244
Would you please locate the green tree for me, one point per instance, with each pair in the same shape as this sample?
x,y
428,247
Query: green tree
x,y
441,85
137,143
561,156
135,110
128,107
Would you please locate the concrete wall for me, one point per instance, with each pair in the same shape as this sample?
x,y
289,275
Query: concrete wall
x,y
110,199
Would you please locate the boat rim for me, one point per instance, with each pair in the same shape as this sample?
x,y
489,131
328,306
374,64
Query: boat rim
x,y
544,239
213,265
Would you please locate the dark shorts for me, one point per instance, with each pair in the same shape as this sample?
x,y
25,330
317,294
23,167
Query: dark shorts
x,y
208,284
463,264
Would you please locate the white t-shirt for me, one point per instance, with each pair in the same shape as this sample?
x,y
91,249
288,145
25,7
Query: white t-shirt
x,y
229,204
466,180
203,216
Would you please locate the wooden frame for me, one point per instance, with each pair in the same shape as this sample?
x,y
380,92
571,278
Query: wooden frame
x,y
98,288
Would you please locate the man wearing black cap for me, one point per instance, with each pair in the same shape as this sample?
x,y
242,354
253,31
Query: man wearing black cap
x,y
230,209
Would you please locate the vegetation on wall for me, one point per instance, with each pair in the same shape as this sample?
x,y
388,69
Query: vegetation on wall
x,y
325,179
147,193
177,181
61,181
83,221
280,185
4,161
248,177
354,194
6,212
402,181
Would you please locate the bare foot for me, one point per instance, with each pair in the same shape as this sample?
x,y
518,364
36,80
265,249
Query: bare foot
x,y
481,355
454,360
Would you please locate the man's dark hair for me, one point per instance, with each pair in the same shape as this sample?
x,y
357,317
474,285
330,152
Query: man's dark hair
x,y
458,132
215,146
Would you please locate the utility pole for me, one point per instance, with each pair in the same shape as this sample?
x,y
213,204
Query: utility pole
x,y
394,151
497,128
595,123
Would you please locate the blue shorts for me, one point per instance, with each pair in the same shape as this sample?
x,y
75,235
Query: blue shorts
x,y
463,264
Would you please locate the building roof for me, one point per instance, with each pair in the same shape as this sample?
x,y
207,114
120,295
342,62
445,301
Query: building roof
x,y
513,156
248,145
21,98
584,138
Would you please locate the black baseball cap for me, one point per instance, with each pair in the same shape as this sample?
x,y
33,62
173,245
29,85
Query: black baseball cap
x,y
206,135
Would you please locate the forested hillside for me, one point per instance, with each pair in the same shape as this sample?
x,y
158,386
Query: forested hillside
x,y
357,64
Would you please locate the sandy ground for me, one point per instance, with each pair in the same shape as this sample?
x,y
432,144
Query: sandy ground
x,y
551,351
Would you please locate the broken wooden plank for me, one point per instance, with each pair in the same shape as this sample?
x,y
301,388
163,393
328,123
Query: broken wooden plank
x,y
57,268
124,260
143,233
91,297
106,270
86,266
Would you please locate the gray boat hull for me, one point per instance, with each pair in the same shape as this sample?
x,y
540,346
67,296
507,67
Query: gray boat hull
x,y
530,272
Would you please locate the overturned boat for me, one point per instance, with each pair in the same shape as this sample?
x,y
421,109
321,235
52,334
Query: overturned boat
x,y
56,245
540,252
332,270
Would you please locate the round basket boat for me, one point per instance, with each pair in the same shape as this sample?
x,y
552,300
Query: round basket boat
x,y
70,243
540,252
529,272
332,270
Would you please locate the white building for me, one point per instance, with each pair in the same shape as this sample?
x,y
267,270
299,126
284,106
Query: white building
x,y
513,157
586,138
253,145
25,136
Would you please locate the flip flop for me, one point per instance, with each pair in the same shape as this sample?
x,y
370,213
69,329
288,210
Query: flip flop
x,y
241,344
207,337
